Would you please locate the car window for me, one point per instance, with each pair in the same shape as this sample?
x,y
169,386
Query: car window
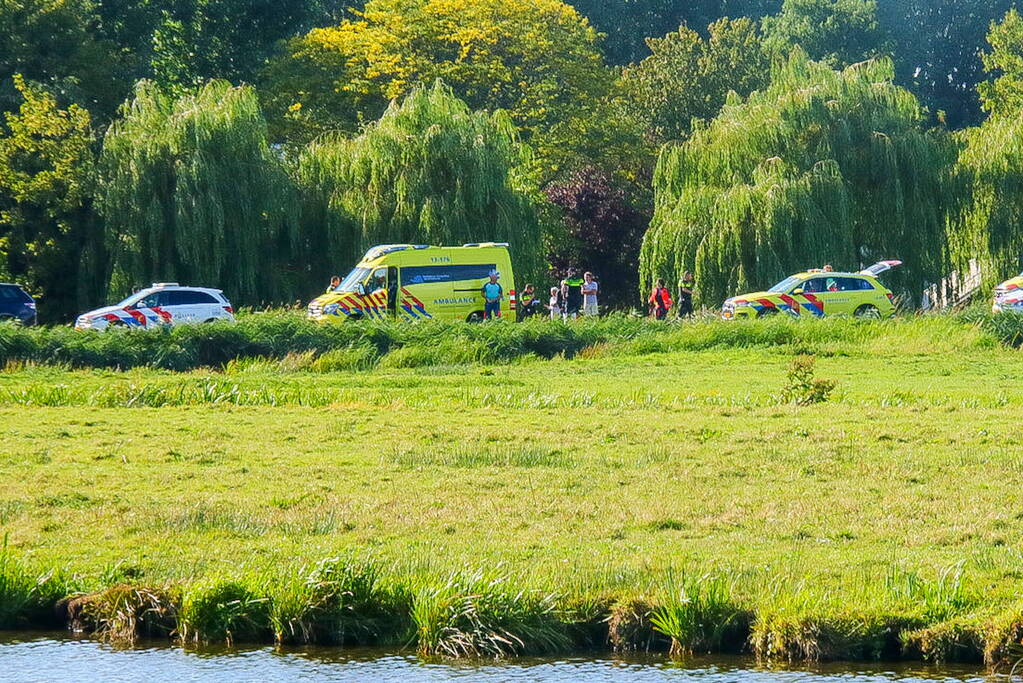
x,y
419,275
188,298
815,285
10,294
854,284
154,299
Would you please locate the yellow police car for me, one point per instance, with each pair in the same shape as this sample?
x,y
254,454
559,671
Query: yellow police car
x,y
1009,296
819,293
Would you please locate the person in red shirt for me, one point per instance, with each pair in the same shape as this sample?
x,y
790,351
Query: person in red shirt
x,y
660,301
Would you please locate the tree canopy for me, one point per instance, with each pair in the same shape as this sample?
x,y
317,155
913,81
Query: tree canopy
x,y
836,32
47,238
687,77
192,192
822,166
536,59
430,171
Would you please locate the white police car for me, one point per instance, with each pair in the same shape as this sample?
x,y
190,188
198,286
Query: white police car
x,y
165,303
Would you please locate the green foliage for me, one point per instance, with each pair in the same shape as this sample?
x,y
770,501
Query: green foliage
x,y
48,238
1004,93
224,611
56,44
536,59
627,23
474,614
430,171
821,167
687,77
802,388
27,598
836,32
193,193
699,614
937,47
990,166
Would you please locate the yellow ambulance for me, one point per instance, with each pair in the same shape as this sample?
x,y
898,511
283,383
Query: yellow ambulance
x,y
419,281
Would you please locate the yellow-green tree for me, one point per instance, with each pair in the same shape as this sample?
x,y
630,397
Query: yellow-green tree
x,y
48,239
536,59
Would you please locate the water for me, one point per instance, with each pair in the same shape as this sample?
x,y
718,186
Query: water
x,y
52,657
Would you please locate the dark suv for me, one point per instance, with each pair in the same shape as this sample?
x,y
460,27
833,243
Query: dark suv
x,y
16,304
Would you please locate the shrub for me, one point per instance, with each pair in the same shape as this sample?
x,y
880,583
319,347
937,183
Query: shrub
x,y
222,611
475,615
803,388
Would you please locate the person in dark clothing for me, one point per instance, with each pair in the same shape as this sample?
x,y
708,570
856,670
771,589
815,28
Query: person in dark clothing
x,y
573,290
685,295
529,304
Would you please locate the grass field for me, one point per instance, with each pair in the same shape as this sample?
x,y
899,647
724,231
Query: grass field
x,y
655,487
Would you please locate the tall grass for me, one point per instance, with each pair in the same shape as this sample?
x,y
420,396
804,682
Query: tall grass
x,y
28,598
476,614
286,341
486,614
698,613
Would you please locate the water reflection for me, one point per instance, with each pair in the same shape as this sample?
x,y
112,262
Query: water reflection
x,y
49,657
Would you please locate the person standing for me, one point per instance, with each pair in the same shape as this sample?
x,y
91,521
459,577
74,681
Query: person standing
x,y
660,301
589,290
492,295
573,290
555,303
685,295
528,303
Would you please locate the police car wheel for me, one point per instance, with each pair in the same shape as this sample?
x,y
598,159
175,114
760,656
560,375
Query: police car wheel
x,y
867,312
767,312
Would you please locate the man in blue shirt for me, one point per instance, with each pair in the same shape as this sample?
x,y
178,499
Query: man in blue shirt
x,y
492,295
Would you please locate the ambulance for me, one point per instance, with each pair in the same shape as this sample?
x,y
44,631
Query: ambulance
x,y
419,282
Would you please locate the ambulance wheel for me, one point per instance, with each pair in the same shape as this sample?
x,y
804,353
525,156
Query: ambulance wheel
x,y
209,320
767,312
475,317
867,312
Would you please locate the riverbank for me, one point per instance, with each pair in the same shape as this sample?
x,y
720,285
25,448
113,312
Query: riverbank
x,y
633,497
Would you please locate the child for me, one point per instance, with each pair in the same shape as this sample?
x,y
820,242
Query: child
x,y
555,303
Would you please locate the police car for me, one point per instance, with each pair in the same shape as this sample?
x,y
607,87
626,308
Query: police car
x,y
165,303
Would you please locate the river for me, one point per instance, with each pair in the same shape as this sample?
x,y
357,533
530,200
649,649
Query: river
x,y
32,657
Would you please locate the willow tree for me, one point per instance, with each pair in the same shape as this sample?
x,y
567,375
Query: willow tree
x,y
192,192
823,166
990,229
430,171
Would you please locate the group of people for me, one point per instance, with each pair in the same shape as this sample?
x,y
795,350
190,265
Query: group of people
x,y
575,296
660,300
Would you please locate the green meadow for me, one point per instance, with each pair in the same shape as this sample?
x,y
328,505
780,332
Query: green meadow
x,y
656,487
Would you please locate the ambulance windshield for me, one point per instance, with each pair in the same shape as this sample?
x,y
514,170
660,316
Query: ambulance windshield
x,y
353,280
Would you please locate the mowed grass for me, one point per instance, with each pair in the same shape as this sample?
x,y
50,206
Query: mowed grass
x,y
667,482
